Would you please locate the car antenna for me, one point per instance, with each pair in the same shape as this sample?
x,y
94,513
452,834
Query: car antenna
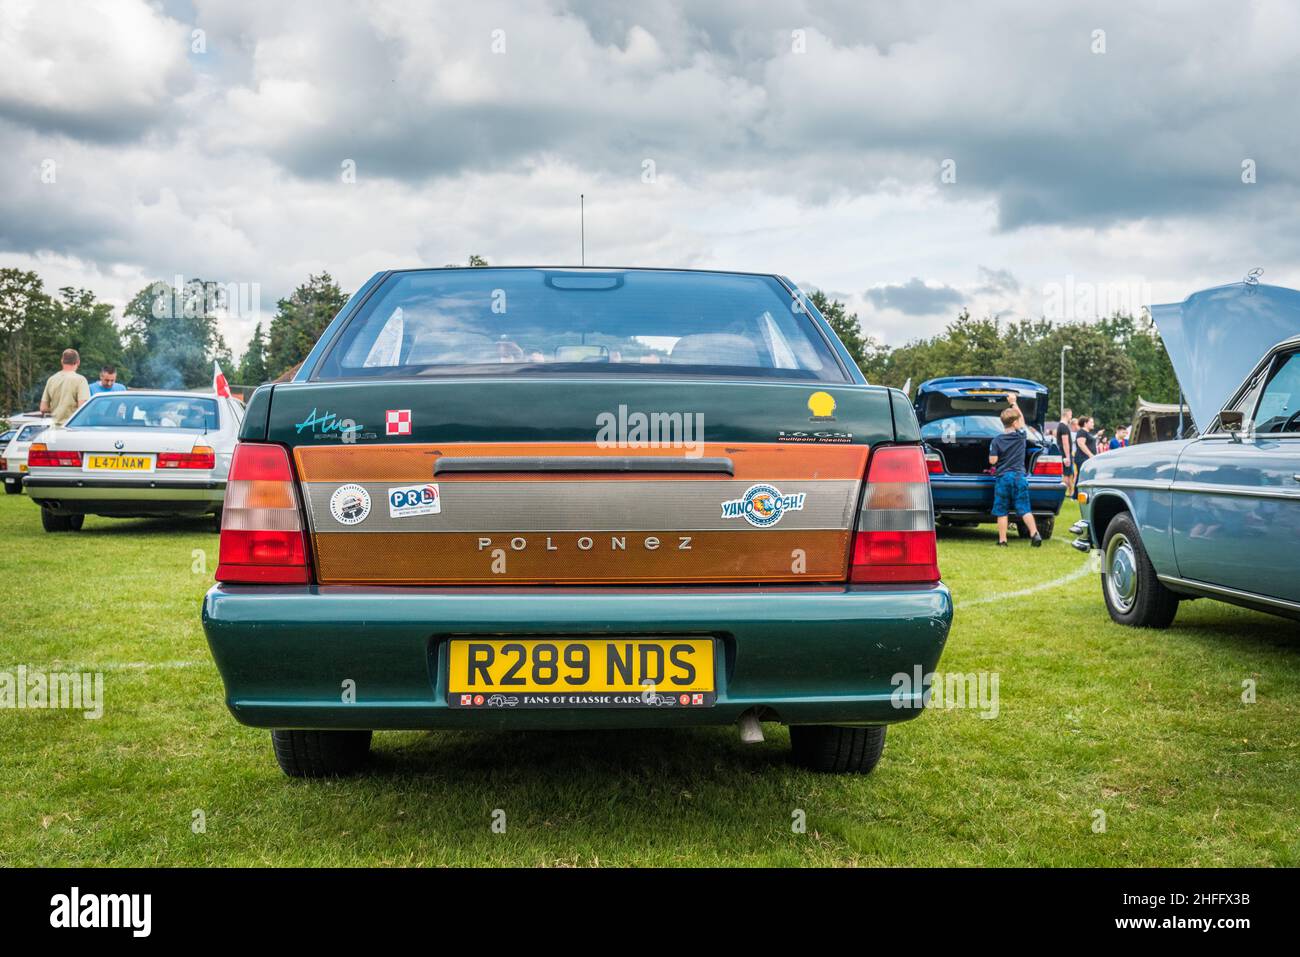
x,y
582,228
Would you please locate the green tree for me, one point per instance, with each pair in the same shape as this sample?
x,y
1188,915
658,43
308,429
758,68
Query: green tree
x,y
172,334
1099,375
35,328
864,349
88,327
28,336
299,321
252,367
1155,380
966,347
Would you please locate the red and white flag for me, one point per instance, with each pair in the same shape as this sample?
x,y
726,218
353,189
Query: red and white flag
x,y
219,384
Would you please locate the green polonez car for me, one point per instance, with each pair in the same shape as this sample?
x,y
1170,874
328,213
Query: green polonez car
x,y
543,498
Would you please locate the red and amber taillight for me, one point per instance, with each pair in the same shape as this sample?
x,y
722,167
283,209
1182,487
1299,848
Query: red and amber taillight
x,y
894,541
934,463
1049,465
201,457
39,455
262,539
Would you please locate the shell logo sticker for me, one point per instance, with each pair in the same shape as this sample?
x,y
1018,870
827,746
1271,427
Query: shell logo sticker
x,y
763,505
822,407
350,504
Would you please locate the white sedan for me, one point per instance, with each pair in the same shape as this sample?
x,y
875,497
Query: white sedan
x,y
13,457
135,453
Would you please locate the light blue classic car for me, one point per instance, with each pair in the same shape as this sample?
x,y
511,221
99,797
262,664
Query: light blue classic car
x,y
1216,516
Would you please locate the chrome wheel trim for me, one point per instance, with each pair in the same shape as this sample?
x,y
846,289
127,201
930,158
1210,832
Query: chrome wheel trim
x,y
1120,573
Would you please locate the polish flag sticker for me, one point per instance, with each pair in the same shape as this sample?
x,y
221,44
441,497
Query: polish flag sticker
x,y
397,422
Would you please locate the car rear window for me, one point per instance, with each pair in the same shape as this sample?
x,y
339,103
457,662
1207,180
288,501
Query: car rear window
x,y
30,432
556,321
976,403
123,410
954,427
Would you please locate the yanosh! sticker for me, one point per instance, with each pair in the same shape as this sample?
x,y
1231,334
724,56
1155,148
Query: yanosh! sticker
x,y
349,504
410,500
763,505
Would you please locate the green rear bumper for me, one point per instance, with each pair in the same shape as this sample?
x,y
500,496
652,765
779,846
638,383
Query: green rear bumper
x,y
801,655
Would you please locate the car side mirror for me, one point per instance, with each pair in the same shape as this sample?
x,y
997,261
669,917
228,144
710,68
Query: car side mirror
x,y
1232,422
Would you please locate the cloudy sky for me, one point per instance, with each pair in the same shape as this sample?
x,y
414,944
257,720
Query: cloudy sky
x,y
910,158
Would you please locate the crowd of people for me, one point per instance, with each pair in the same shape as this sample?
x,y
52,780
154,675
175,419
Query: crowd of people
x,y
1081,438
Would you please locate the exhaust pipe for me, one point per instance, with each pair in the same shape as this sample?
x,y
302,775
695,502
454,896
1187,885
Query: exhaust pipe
x,y
751,732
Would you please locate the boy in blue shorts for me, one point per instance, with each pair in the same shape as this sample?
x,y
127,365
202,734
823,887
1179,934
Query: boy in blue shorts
x,y
1011,490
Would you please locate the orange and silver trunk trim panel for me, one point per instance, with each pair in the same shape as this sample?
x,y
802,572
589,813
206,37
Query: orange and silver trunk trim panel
x,y
579,527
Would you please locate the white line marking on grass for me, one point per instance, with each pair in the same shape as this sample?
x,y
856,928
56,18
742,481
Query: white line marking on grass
x,y
132,665
1080,572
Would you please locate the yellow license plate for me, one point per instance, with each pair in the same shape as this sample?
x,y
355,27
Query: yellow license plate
x,y
120,463
617,672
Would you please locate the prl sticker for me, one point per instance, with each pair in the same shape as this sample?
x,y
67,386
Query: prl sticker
x,y
411,500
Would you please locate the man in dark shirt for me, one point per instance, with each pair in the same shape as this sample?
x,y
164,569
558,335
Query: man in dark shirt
x,y
1011,486
1085,444
1066,445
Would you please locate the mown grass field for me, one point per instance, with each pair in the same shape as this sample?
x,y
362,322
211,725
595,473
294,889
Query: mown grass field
x,y
1149,728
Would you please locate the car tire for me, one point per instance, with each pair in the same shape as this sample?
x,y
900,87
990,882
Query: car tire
x,y
835,750
75,522
13,488
319,754
55,523
1134,595
1046,525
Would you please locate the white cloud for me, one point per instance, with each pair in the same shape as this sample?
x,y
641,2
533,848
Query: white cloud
x,y
820,165
91,68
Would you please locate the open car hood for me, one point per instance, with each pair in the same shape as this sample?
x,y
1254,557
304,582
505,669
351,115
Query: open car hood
x,y
1215,338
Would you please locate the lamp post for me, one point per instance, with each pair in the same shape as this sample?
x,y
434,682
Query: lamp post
x,y
1061,395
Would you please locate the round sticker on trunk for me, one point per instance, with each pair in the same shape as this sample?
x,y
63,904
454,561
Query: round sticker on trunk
x,y
349,504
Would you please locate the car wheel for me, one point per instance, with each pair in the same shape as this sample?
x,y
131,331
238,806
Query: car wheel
x,y
1046,525
76,521
1134,595
13,488
822,747
55,523
318,754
